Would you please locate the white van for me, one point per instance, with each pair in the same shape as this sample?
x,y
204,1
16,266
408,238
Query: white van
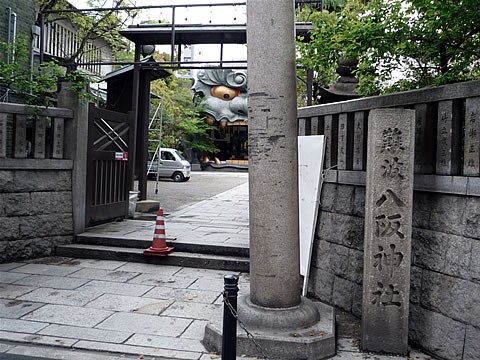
x,y
172,165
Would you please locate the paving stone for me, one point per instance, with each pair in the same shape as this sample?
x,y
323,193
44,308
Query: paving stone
x,y
36,339
145,324
10,266
43,269
108,287
22,326
196,330
139,351
5,347
59,353
130,304
14,309
194,310
76,332
102,274
55,282
61,297
166,342
10,277
214,284
163,280
197,273
186,295
149,268
11,291
96,264
69,315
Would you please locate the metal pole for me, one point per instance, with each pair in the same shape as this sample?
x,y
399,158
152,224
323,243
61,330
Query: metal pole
x,y
159,146
42,37
229,335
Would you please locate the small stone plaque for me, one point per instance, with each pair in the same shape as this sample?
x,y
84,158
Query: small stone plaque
x,y
331,139
302,125
40,134
359,139
388,224
345,141
448,138
58,136
3,135
471,157
20,136
424,141
315,127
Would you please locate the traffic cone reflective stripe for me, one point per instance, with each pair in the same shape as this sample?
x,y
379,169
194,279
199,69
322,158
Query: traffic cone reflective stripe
x,y
159,243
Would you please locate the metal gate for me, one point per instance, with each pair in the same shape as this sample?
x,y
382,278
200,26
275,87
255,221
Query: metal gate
x,y
109,169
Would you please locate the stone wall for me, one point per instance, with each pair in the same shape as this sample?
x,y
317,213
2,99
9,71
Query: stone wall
x,y
35,212
445,279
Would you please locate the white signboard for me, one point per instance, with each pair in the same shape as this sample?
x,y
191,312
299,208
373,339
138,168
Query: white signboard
x,y
311,150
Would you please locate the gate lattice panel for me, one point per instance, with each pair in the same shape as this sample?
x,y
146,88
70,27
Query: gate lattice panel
x,y
109,169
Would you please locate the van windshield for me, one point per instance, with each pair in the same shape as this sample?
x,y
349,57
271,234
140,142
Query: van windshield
x,y
179,155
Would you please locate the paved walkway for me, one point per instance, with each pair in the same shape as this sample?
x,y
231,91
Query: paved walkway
x,y
82,309
219,220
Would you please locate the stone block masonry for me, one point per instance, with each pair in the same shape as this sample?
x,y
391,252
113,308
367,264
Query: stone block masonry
x,y
35,212
445,273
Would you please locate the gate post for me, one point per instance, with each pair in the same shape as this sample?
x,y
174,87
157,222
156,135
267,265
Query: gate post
x,y
76,135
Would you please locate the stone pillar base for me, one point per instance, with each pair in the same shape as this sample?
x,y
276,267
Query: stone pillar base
x,y
281,333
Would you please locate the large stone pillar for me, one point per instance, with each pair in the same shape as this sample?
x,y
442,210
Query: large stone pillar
x,y
272,158
284,324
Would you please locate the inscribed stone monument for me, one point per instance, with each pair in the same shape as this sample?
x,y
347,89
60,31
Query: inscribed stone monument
x,y
471,157
388,224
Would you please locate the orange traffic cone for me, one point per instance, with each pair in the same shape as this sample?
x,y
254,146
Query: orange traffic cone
x,y
159,244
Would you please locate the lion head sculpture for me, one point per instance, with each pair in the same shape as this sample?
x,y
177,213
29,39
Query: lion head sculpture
x,y
224,94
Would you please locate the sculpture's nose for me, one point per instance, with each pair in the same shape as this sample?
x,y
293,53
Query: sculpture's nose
x,y
239,106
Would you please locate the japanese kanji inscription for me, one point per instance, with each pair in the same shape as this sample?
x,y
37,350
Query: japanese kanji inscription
x,y
388,223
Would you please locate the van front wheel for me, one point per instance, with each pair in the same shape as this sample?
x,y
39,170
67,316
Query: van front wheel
x,y
178,177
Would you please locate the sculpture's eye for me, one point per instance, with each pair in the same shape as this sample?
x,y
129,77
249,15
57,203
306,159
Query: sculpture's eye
x,y
224,92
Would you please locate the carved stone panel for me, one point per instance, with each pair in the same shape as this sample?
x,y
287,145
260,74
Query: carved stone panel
x,y
3,135
345,141
471,157
302,126
58,136
331,138
448,138
20,136
388,224
424,139
359,139
40,134
316,127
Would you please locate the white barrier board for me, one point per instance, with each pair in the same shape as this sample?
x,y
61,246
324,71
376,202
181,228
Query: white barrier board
x,y
311,150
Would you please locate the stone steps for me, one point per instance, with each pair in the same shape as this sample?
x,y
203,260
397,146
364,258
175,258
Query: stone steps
x,y
232,258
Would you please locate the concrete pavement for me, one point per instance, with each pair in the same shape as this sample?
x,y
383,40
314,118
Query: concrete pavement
x,y
64,308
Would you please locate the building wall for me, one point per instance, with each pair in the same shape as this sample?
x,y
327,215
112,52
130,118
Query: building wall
x,y
25,10
35,212
445,278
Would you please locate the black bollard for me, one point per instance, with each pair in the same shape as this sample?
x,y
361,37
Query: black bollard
x,y
229,335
